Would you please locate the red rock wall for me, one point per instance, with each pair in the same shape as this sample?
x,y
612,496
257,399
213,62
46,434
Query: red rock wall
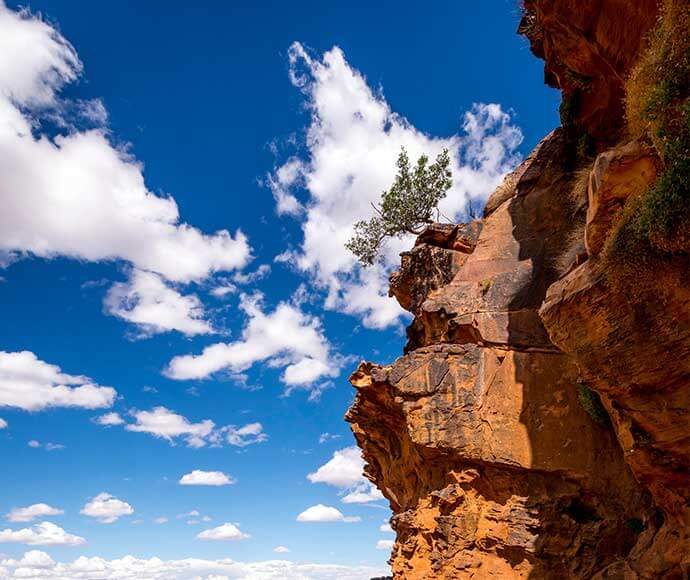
x,y
479,436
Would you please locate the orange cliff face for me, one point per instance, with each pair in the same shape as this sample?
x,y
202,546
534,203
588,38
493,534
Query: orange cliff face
x,y
482,436
588,48
476,435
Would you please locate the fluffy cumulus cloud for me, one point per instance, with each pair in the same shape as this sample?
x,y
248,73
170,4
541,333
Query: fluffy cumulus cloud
x,y
28,383
325,513
3,423
226,532
28,513
344,470
166,424
352,144
106,508
163,423
287,337
109,420
37,564
212,478
76,194
281,550
249,434
147,301
43,534
384,544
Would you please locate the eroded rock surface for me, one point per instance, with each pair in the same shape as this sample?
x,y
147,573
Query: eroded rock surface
x,y
485,436
476,436
588,48
633,348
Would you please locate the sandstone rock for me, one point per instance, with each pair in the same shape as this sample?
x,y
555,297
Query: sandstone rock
x,y
491,465
476,436
617,175
637,355
589,47
442,249
494,297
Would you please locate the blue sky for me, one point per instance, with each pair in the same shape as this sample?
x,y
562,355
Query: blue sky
x,y
177,186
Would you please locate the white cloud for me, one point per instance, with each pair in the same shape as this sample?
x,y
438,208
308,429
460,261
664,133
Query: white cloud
x,y
47,446
281,182
223,533
281,550
224,290
3,423
199,477
77,195
43,534
164,423
154,306
353,141
250,277
324,437
286,337
384,544
324,513
109,420
192,514
31,384
248,435
161,520
106,508
386,528
363,492
37,510
33,559
344,470
306,371
36,564
198,521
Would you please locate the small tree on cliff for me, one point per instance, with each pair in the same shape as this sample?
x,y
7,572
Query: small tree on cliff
x,y
406,207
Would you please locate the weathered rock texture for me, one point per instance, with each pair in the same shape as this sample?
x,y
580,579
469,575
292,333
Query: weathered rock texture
x,y
588,47
478,436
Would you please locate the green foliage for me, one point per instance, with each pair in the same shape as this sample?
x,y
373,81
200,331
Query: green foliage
x,y
657,225
579,145
591,403
405,208
485,285
585,148
568,109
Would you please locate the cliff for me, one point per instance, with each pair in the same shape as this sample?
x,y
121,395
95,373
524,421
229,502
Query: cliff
x,y
538,424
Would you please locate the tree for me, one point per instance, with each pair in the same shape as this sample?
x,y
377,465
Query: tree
x,y
405,208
